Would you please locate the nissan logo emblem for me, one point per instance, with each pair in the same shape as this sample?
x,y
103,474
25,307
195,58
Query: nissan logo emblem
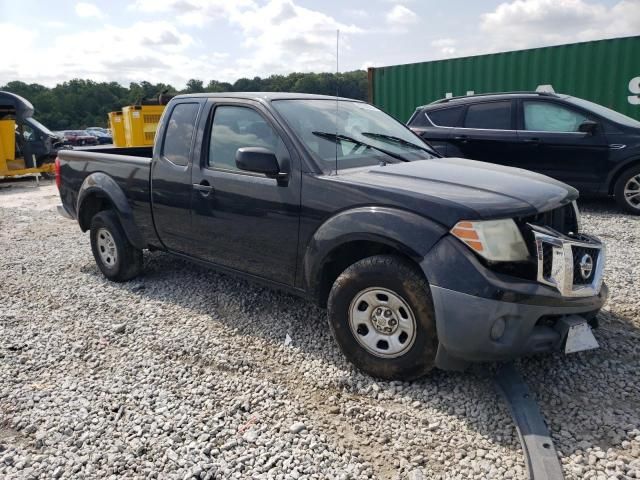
x,y
586,266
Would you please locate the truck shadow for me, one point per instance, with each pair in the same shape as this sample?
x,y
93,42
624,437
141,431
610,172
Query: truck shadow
x,y
586,398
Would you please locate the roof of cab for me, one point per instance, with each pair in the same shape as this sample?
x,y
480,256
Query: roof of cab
x,y
264,96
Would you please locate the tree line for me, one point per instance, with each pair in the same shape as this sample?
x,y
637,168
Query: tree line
x,y
78,103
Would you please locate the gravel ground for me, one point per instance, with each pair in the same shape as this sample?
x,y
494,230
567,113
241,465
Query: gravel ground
x,y
184,373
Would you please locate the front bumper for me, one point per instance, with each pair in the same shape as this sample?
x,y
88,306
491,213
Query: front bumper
x,y
485,316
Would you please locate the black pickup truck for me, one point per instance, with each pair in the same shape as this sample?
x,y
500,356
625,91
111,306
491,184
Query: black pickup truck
x,y
421,261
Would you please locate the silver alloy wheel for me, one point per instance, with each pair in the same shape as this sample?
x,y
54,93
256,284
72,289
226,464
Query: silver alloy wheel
x,y
106,247
632,191
382,322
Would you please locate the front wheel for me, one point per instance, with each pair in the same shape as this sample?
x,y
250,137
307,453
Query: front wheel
x,y
382,317
627,190
116,258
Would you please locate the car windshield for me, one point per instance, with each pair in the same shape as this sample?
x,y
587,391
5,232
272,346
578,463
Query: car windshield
x,y
348,134
604,112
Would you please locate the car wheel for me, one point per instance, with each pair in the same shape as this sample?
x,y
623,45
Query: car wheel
x,y
382,317
117,259
627,190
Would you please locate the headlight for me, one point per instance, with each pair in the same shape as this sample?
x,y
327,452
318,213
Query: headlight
x,y
494,240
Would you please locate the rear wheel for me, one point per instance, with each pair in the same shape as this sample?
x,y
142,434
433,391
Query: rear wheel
x,y
627,190
117,259
381,315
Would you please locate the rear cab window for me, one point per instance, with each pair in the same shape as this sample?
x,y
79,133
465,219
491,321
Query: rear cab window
x,y
489,116
179,132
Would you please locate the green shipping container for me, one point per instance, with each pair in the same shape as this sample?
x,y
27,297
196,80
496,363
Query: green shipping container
x,y
604,71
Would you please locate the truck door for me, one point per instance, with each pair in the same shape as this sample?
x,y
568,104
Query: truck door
x,y
171,177
242,220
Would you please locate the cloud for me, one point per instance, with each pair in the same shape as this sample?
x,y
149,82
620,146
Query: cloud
x,y
367,64
400,15
280,36
144,50
194,12
446,46
283,37
84,9
530,23
357,12
55,24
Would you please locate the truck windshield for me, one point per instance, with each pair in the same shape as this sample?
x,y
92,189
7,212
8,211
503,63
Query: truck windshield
x,y
347,134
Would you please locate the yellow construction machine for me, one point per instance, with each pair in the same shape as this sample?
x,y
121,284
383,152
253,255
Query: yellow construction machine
x,y
135,125
26,146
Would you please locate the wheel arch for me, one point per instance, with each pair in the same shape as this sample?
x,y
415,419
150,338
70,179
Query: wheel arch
x,y
618,172
100,192
355,234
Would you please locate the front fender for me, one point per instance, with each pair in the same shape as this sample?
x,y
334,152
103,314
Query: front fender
x,y
404,231
103,186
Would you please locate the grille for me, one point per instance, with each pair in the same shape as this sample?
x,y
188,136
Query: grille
x,y
562,219
578,254
562,259
547,260
149,136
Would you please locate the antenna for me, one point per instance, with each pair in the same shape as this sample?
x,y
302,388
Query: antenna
x,y
337,90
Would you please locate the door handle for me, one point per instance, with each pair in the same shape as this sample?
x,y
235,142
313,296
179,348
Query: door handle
x,y
461,138
203,187
535,141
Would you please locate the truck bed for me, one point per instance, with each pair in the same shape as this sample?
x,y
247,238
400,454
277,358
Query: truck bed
x,y
129,168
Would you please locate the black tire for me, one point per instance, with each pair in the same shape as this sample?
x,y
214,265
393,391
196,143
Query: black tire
x,y
401,278
127,261
618,190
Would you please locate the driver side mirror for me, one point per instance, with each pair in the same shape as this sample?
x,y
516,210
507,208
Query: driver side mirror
x,y
258,160
588,126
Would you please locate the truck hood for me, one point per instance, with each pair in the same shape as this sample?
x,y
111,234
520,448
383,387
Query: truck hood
x,y
468,189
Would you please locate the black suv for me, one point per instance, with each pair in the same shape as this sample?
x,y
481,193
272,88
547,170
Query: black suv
x,y
588,146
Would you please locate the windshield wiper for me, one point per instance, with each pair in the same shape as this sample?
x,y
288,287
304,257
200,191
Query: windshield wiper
x,y
346,138
402,141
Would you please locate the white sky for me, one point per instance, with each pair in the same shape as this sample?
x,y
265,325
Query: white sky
x,y
172,41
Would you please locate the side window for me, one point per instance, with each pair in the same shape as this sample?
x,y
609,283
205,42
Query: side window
x,y
177,139
446,117
237,127
549,117
418,119
491,115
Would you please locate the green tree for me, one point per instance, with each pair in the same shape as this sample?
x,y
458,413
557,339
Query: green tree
x,y
194,86
79,103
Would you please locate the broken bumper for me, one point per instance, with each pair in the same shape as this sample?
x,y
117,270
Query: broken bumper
x,y
485,316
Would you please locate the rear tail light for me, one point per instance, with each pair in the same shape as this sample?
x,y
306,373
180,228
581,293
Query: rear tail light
x,y
57,172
